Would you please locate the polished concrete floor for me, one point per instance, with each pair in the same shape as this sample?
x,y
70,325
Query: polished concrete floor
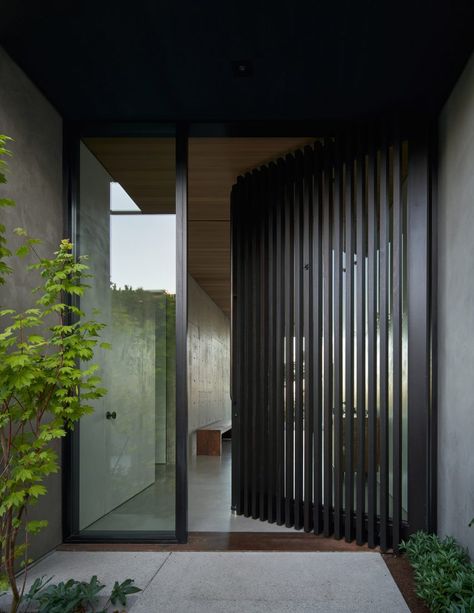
x,y
210,497
209,493
209,502
153,509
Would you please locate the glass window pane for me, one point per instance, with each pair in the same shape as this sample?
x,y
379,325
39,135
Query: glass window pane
x,y
127,227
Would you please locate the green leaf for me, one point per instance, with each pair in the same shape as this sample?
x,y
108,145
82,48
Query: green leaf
x,y
33,527
120,592
36,339
37,490
23,474
16,498
22,251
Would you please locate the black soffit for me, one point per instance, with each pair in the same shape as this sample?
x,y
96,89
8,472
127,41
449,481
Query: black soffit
x,y
152,60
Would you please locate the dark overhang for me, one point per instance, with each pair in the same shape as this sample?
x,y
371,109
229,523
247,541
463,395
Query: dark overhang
x,y
150,60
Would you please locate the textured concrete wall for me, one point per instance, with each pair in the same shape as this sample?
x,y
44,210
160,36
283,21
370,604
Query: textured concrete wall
x,y
456,312
208,361
35,183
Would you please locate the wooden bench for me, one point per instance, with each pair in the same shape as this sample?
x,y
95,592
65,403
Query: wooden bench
x,y
209,438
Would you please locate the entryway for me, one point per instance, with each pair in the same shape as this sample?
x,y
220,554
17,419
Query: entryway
x,y
330,333
286,340
214,166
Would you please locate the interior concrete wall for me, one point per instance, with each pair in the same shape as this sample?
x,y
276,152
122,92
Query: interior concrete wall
x,y
456,312
35,183
208,361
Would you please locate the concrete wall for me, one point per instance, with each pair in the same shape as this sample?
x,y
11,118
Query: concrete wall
x,y
208,361
456,312
35,183
117,457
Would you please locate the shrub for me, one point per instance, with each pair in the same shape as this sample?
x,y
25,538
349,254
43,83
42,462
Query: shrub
x,y
444,574
75,596
43,389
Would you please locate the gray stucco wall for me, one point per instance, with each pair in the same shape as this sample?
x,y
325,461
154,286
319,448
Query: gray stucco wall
x,y
35,183
208,361
456,312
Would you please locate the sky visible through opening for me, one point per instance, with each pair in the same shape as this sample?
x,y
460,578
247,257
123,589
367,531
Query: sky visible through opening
x,y
142,247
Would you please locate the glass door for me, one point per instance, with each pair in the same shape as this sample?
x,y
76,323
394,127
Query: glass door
x,y
125,469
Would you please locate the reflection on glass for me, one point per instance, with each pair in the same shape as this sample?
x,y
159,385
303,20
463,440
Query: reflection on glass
x,y
127,446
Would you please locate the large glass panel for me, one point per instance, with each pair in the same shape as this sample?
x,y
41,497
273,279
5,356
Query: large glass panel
x,y
127,227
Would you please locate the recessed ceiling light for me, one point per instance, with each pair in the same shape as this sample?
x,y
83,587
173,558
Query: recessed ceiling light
x,y
242,68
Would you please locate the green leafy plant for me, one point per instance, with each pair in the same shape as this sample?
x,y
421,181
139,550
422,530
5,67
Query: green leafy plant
x,y
4,202
43,389
444,574
75,596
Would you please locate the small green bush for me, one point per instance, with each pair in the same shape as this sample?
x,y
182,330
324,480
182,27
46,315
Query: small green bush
x,y
444,574
75,596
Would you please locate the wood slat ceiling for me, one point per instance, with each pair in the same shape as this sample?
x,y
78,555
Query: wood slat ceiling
x,y
145,167
214,165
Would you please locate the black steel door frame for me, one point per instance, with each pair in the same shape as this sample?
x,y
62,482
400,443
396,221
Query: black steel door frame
x,y
423,422
73,133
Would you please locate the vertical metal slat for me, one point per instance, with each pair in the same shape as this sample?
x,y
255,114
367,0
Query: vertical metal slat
x,y
289,334
298,344
236,365
248,398
383,353
308,337
255,372
317,330
280,353
337,314
372,347
271,330
361,241
349,343
397,342
263,352
327,339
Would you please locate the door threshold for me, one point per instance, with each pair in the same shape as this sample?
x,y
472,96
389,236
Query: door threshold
x,y
234,541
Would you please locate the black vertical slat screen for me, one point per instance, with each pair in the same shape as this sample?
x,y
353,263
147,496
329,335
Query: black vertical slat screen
x,y
247,333
298,339
317,330
271,320
279,380
337,343
383,352
371,342
254,377
361,339
308,336
350,459
397,309
319,253
289,323
262,407
327,338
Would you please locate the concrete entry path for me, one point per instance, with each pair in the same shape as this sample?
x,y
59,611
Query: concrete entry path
x,y
236,582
